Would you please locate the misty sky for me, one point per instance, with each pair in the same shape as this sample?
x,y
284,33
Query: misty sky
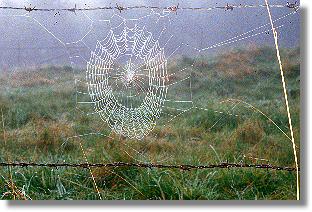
x,y
24,42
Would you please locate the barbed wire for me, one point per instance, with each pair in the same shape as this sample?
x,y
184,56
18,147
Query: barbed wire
x,y
148,165
172,8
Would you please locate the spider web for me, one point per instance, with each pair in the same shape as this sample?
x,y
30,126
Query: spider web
x,y
142,80
131,76
130,95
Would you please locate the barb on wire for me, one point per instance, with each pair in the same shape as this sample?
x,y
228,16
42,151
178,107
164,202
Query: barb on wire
x,y
294,5
229,7
149,165
171,8
73,9
29,9
119,8
174,8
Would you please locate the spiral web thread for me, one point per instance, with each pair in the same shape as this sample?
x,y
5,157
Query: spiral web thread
x,y
124,114
122,117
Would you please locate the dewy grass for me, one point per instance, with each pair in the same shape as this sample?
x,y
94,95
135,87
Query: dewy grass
x,y
38,119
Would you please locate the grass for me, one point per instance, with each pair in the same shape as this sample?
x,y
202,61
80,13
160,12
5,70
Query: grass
x,y
39,113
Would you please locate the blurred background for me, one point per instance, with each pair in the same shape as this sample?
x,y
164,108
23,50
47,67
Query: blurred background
x,y
24,43
237,113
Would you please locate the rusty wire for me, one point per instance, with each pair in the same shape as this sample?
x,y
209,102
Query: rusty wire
x,y
171,8
148,165
174,9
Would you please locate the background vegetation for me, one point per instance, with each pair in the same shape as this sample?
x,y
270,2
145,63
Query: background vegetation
x,y
37,107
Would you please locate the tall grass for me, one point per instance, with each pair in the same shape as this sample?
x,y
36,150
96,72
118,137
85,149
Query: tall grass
x,y
39,117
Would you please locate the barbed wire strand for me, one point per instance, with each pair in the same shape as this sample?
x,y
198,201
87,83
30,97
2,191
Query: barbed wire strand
x,y
148,165
172,8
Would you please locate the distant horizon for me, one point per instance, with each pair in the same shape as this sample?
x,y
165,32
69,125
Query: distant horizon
x,y
82,67
33,45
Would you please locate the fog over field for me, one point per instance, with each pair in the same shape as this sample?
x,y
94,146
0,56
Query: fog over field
x,y
183,106
24,43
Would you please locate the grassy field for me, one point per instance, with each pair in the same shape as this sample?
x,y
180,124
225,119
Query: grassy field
x,y
38,114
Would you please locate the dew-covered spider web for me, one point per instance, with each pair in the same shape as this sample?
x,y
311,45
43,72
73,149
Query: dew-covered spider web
x,y
129,97
136,69
133,74
128,83
157,82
